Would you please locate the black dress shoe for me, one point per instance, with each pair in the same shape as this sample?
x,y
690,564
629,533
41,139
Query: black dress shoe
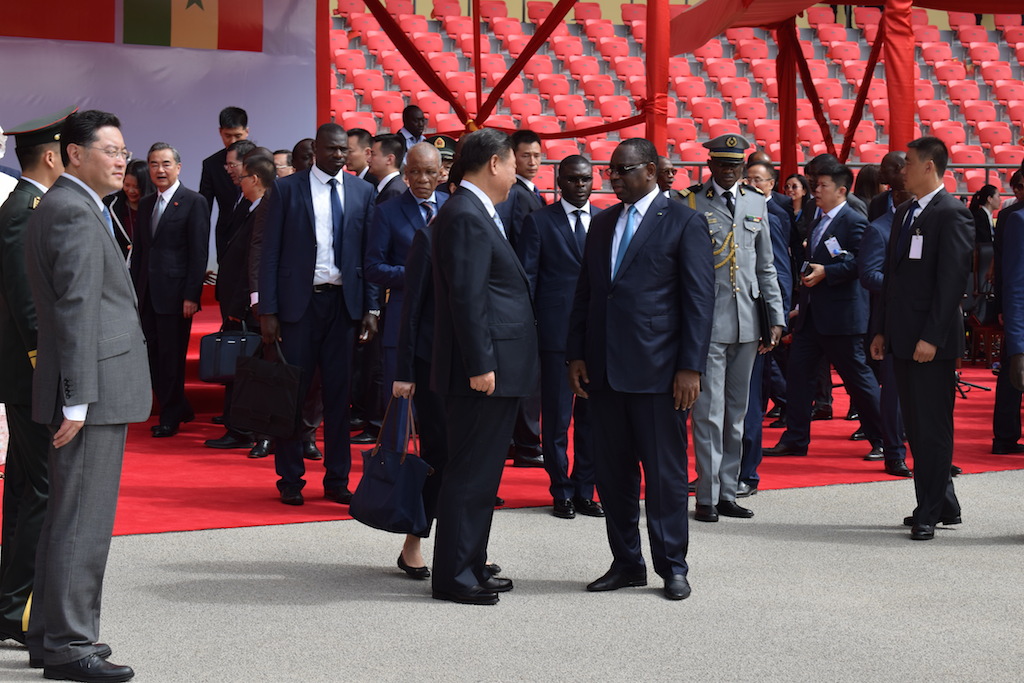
x,y
775,412
706,513
89,669
261,450
922,532
823,413
229,440
523,460
778,424
217,419
474,596
494,569
781,449
692,487
852,414
616,579
310,451
164,431
875,454
414,572
563,509
497,584
102,650
729,508
364,437
342,495
897,468
1002,448
945,521
677,587
588,507
356,424
955,471
744,490
292,497
11,630
498,501
858,435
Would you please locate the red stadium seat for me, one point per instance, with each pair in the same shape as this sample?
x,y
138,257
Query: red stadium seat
x,y
543,124
393,62
926,34
342,101
486,44
383,104
515,45
950,70
637,130
871,153
766,132
977,178
854,71
977,111
443,62
967,154
709,50
845,51
688,87
692,152
1015,112
704,108
584,122
960,91
1004,21
346,8
924,90
615,107
749,109
639,31
432,105
637,86
831,33
733,88
752,48
1009,154
761,69
771,89
506,28
935,52
932,110
818,68
719,68
493,9
598,86
950,132
361,24
346,61
491,79
678,66
865,133
625,67
820,15
524,105
631,12
971,34
716,127
867,16
596,28
829,89
552,84
681,130
448,122
870,33
918,17
359,119
1009,90
428,42
1014,36
457,26
339,40
949,180
584,65
567,107
983,52
739,33
377,42
601,150
959,19
559,148
444,8
992,133
500,121
588,11
365,81
539,65
996,71
397,7
538,11
804,110
840,110
462,84
565,47
413,23
809,133
612,47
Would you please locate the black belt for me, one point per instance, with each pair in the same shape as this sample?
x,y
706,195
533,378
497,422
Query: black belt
x,y
325,287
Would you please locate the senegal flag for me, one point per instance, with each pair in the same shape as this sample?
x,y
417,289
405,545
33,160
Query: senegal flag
x,y
205,24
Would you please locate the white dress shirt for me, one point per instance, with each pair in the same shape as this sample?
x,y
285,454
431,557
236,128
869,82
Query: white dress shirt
x,y
488,204
325,270
385,180
641,205
570,214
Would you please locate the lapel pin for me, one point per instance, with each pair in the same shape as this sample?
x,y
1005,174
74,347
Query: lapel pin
x,y
175,203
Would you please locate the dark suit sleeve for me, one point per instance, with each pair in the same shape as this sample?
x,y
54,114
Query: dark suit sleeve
x,y
1013,282
697,294
378,246
206,183
418,274
783,267
256,245
271,249
528,250
373,294
871,259
198,247
956,247
16,290
575,344
844,268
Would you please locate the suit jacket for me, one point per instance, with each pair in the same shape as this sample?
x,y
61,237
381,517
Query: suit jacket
x,y
879,205
521,202
259,220
215,185
838,304
921,297
123,220
289,248
782,261
395,188
1013,283
785,202
736,317
170,265
982,225
484,317
416,331
997,251
387,249
677,195
91,347
17,312
654,319
233,274
552,258
238,215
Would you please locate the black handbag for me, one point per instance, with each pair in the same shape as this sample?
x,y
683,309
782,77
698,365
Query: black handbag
x,y
219,351
390,493
764,320
266,398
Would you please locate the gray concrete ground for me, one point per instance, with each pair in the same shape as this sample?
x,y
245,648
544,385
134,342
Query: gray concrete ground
x,y
822,585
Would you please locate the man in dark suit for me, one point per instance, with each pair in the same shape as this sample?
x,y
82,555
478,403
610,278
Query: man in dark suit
x,y
215,183
386,157
832,319
313,299
638,342
783,201
485,360
919,321
890,172
1013,289
551,250
302,155
667,176
236,153
90,381
360,147
168,267
25,476
413,123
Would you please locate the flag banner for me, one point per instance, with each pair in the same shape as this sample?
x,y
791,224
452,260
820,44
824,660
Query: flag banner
x,y
60,19
204,24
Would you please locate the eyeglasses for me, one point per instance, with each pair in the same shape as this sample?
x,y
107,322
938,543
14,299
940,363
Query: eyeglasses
x,y
280,166
620,170
241,177
113,153
233,164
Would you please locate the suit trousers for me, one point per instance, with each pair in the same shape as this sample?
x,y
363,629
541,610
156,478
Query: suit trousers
x,y
718,417
927,394
1006,413
558,406
430,420
889,404
753,424
26,486
479,429
167,344
85,476
526,434
846,353
631,430
322,339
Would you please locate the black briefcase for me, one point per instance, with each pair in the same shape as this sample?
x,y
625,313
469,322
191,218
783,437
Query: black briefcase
x,y
764,320
219,351
265,398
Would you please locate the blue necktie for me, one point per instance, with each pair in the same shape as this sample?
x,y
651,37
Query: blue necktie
x,y
627,235
110,222
337,215
428,211
501,226
904,240
581,233
819,231
536,191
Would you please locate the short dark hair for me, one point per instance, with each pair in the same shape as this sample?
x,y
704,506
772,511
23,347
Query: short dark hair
x,y
524,137
261,167
30,156
572,159
392,144
362,135
241,148
80,129
644,148
233,117
840,174
772,173
1017,178
287,155
259,152
411,109
480,146
329,128
932,148
159,146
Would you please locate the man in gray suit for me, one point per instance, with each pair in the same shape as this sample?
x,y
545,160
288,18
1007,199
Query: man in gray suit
x,y
91,379
737,216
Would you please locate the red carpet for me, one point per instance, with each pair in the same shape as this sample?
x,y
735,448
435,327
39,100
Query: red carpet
x,y
176,484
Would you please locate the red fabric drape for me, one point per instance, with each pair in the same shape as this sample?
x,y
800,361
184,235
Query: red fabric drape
x,y
656,105
899,70
322,75
785,71
862,95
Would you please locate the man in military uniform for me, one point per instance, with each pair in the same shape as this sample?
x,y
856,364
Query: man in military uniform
x,y
446,146
737,217
26,484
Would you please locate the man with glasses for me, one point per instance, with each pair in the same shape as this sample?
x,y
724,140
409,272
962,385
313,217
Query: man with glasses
x,y
169,253
741,242
638,343
283,163
667,176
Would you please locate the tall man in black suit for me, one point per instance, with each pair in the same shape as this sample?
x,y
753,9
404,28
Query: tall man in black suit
x,y
215,183
25,476
920,322
638,342
551,250
171,245
485,360
386,157
890,172
313,298
360,147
